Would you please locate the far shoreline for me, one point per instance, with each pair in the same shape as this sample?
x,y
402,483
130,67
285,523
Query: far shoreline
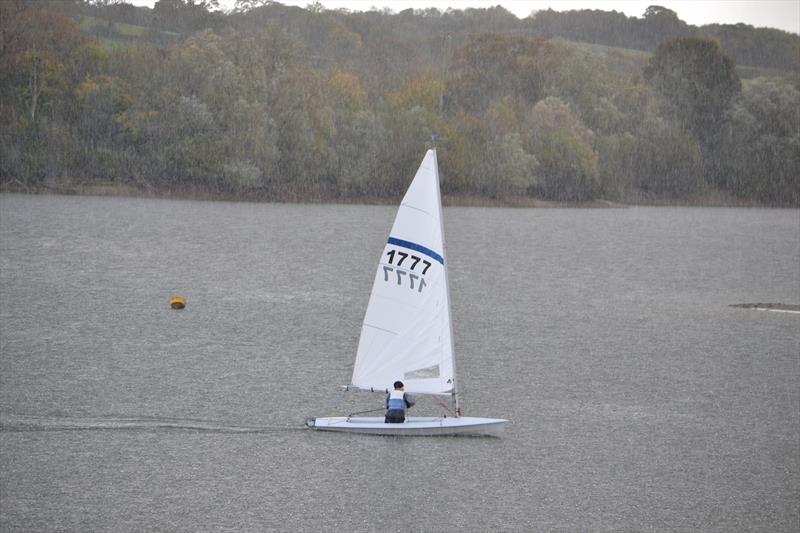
x,y
712,199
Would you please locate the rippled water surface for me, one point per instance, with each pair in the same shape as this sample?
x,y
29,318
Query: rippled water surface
x,y
641,401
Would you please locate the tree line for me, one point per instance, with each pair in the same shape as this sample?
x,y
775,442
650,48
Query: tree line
x,y
278,102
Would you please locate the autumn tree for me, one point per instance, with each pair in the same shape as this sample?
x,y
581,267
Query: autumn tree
x,y
491,66
660,24
668,161
184,15
762,145
564,148
33,58
462,163
696,81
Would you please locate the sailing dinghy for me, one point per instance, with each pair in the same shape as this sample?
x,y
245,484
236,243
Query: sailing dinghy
x,y
407,332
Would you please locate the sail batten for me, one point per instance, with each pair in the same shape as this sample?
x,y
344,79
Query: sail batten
x,y
406,332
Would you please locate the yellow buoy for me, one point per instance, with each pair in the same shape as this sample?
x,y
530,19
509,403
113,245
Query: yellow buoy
x,y
179,302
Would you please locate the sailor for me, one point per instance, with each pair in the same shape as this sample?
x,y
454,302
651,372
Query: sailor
x,y
397,402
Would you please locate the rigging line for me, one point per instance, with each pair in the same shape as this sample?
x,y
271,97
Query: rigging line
x,y
441,404
363,412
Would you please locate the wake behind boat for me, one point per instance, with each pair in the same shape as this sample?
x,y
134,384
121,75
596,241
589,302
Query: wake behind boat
x,y
407,332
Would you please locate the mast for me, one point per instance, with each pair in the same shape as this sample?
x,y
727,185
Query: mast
x,y
455,399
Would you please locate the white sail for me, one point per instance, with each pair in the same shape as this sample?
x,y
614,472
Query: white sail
x,y
407,333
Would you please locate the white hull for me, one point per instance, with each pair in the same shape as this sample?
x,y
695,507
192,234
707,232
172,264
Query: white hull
x,y
413,426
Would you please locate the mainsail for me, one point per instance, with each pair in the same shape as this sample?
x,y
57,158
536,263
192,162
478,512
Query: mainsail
x,y
407,334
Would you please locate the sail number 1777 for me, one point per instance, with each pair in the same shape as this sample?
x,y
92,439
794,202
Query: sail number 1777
x,y
410,272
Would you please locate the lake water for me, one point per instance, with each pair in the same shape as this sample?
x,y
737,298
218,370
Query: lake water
x,y
640,400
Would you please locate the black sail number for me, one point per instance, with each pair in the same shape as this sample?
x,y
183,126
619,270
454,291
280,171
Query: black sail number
x,y
410,273
414,260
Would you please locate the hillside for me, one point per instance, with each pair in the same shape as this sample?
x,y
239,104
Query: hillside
x,y
281,102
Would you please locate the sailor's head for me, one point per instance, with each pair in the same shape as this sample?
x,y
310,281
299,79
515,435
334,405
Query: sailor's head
x,y
398,385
